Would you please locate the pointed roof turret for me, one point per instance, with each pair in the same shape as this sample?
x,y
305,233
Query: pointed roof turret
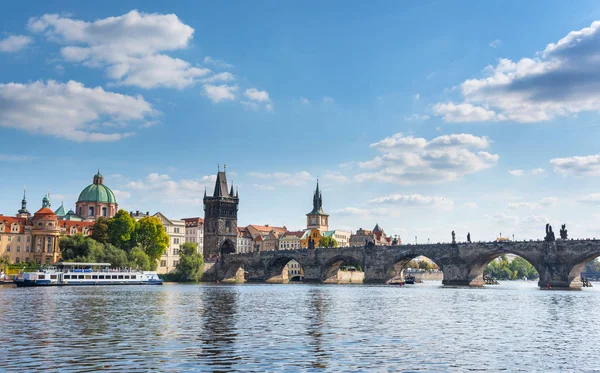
x,y
221,185
377,228
60,212
317,203
237,195
23,209
231,191
46,201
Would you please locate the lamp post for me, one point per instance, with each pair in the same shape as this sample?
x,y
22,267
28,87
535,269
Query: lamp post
x,y
428,240
513,236
415,240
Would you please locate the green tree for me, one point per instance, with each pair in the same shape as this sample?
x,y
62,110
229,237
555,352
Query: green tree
x,y
328,242
151,237
190,263
100,230
139,259
75,246
121,229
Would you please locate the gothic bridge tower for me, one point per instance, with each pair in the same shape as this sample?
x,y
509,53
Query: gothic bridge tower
x,y
220,219
317,218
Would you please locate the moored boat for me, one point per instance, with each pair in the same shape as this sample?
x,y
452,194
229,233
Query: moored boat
x,y
69,274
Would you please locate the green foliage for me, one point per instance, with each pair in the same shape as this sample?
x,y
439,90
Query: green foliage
x,y
100,230
328,242
121,229
151,237
593,266
78,248
139,259
502,269
190,263
75,246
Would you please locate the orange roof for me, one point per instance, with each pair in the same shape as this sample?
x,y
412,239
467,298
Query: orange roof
x,y
45,211
268,228
8,222
259,238
297,234
193,222
79,225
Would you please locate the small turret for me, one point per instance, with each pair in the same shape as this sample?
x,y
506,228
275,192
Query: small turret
x,y
23,209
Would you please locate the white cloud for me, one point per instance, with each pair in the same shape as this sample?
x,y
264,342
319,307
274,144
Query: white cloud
x,y
538,171
592,199
256,95
336,177
218,63
121,194
563,79
287,178
364,212
70,110
416,117
328,100
516,172
219,93
413,200
408,159
577,166
417,96
156,186
470,205
464,112
130,47
15,158
304,100
220,77
263,187
543,203
14,43
495,43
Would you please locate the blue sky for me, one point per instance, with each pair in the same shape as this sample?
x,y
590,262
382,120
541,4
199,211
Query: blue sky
x,y
426,116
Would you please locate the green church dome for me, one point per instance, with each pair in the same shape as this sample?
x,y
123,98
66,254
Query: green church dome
x,y
97,192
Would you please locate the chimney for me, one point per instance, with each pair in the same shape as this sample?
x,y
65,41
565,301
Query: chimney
x,y
137,212
266,225
147,213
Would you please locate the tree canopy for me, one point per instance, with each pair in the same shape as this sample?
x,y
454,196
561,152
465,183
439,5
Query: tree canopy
x,y
151,237
190,263
100,230
328,242
503,269
121,228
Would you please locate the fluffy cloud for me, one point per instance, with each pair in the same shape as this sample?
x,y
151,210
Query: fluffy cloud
x,y
543,203
219,93
130,47
336,177
538,171
14,43
561,80
470,205
218,63
413,200
163,187
577,166
71,110
408,160
592,199
495,43
295,179
256,95
516,172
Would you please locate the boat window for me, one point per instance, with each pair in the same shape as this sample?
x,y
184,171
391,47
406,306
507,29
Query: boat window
x,y
88,277
52,277
120,277
101,277
126,277
114,277
41,277
67,277
80,277
94,277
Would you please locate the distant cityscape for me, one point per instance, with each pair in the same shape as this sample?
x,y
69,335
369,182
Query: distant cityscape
x,y
34,237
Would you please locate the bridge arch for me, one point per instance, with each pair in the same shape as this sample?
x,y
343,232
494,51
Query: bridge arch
x,y
227,247
233,272
480,264
274,268
351,266
577,266
395,270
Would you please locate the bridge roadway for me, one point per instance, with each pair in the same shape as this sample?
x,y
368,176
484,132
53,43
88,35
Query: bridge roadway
x,y
559,263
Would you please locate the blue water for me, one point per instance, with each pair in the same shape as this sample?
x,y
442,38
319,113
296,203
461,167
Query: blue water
x,y
312,328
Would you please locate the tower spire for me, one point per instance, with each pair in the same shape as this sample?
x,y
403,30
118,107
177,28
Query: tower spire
x,y
23,209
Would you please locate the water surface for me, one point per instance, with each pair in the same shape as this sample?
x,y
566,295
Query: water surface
x,y
313,328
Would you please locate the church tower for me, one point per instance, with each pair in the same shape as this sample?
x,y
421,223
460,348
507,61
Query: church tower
x,y
317,218
220,219
23,212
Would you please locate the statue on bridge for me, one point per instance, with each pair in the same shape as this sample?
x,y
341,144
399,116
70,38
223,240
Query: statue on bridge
x,y
563,232
469,237
311,243
549,234
453,237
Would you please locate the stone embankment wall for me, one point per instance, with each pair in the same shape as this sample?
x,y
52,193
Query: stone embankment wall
x,y
426,276
347,277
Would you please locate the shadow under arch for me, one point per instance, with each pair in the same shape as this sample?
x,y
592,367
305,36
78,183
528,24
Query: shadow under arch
x,y
577,267
227,247
351,267
234,272
274,269
478,267
418,265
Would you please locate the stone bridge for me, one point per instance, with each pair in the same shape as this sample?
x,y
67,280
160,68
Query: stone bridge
x,y
559,263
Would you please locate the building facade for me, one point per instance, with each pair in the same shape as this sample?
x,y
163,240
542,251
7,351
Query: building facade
x,y
341,237
35,239
244,241
220,220
291,240
176,231
96,200
194,232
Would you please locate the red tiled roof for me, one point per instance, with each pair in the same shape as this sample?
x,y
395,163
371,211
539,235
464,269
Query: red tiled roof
x,y
268,228
193,222
298,234
79,225
44,211
8,222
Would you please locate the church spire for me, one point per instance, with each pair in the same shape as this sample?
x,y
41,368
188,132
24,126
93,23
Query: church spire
x,y
23,209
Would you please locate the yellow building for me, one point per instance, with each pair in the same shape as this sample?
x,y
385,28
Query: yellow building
x,y
314,234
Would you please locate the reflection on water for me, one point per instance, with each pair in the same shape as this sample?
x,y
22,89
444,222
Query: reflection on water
x,y
315,328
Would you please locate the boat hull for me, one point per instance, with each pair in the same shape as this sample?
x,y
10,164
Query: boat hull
x,y
41,283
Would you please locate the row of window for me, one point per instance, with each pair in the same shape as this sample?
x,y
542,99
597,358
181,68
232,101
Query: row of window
x,y
99,277
163,263
37,260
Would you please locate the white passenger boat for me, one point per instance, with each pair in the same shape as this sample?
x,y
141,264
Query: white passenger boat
x,y
67,274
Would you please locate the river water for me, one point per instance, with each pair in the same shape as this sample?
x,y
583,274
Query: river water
x,y
314,328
